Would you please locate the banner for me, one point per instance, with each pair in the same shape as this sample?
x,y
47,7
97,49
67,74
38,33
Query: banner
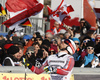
x,y
18,76
29,76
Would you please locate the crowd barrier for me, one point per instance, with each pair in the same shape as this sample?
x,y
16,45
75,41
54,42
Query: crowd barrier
x,y
37,23
22,73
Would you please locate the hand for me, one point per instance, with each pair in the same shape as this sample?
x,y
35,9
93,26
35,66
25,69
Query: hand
x,y
26,63
50,69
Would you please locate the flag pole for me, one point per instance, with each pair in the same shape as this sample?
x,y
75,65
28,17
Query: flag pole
x,y
82,9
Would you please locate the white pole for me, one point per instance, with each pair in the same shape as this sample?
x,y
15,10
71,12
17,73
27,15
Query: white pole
x,y
82,10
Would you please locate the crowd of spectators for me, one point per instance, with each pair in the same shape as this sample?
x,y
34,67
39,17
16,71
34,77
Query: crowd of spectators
x,y
14,49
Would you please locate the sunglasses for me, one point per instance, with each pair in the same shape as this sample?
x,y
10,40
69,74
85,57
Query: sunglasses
x,y
90,48
77,43
85,41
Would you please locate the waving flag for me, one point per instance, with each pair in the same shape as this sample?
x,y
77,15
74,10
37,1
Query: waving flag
x,y
61,12
97,12
26,23
20,10
89,14
2,11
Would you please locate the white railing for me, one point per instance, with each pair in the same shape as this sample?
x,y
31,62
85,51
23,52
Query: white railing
x,y
37,23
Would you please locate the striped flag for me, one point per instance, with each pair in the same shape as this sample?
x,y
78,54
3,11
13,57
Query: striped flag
x,y
26,23
61,12
2,11
20,10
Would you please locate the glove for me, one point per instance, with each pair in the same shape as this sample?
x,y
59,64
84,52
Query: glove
x,y
50,70
26,63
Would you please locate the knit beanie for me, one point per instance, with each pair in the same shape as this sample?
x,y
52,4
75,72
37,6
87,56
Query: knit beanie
x,y
30,48
13,50
76,39
7,46
90,43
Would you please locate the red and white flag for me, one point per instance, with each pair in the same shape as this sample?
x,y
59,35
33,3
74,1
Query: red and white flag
x,y
89,14
61,12
97,12
20,10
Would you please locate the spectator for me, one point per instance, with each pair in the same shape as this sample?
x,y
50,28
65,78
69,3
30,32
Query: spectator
x,y
77,52
84,26
49,36
97,39
61,33
51,51
13,57
90,60
37,47
58,40
76,31
84,41
56,29
67,35
30,53
54,45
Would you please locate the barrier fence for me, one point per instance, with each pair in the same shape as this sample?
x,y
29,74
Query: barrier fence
x,y
37,23
18,73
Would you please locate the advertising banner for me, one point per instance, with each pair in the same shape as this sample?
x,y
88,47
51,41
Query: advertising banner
x,y
21,76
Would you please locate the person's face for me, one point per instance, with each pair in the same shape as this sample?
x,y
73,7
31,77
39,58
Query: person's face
x,y
56,24
82,22
34,35
39,41
67,35
77,44
90,50
97,41
21,52
63,45
52,52
17,55
36,48
45,53
59,42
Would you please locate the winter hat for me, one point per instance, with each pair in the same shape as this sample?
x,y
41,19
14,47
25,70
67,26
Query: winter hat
x,y
16,39
76,39
86,37
46,48
31,48
7,46
46,42
90,43
37,33
62,31
2,42
13,50
41,32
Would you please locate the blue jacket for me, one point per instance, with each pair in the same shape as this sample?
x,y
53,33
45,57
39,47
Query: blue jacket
x,y
88,58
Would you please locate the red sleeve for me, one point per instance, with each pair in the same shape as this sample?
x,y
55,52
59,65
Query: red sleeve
x,y
39,70
70,66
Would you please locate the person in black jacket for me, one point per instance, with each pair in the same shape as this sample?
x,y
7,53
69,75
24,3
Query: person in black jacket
x,y
12,58
84,26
